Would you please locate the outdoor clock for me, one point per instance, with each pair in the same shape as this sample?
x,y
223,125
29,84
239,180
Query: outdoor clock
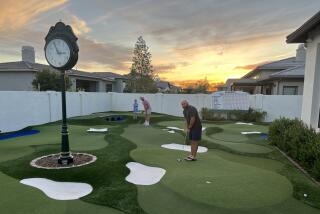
x,y
61,49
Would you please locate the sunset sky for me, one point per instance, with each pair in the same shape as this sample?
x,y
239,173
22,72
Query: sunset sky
x,y
188,39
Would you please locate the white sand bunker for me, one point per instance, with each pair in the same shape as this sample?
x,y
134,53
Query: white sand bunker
x,y
59,190
241,123
250,132
171,131
179,129
144,175
174,146
174,128
97,130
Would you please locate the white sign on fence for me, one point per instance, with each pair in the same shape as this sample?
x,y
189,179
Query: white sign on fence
x,y
230,100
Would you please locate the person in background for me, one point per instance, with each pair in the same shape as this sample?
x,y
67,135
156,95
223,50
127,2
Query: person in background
x,y
135,109
147,111
193,128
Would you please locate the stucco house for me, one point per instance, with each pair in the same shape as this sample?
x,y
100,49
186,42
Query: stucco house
x,y
282,77
309,35
18,76
166,87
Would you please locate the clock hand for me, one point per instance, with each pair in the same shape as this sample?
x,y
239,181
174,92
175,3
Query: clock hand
x,y
55,46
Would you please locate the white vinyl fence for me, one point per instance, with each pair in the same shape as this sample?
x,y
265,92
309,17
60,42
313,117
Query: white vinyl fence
x,y
275,105
19,109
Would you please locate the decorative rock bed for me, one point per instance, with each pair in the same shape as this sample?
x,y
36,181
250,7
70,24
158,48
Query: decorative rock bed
x,y
51,161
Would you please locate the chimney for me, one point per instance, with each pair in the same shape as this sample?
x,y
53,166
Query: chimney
x,y
28,54
301,53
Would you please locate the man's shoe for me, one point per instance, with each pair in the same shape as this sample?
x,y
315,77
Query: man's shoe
x,y
190,158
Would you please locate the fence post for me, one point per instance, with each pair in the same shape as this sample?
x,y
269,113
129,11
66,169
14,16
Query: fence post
x,y
81,103
51,102
159,99
111,101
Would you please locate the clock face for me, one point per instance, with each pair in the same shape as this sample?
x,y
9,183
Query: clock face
x,y
57,53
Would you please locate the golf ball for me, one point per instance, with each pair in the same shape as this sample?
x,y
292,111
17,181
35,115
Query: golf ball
x,y
178,159
305,195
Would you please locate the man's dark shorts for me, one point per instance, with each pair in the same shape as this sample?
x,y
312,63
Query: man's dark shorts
x,y
195,134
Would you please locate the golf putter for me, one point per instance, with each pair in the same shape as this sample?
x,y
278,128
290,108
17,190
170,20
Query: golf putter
x,y
185,142
186,139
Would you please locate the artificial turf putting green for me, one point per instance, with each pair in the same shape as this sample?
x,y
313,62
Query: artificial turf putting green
x,y
49,134
240,147
230,136
238,183
106,175
18,198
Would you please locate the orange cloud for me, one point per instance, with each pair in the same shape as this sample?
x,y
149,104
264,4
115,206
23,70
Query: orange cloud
x,y
167,68
79,26
250,66
15,14
192,83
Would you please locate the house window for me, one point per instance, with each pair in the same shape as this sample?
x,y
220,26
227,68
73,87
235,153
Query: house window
x,y
268,91
290,90
108,87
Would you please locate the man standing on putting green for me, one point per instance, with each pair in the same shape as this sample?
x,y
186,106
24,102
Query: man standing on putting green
x,y
147,111
193,128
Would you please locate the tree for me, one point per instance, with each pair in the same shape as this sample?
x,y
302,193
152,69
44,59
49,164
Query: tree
x,y
202,86
141,76
47,80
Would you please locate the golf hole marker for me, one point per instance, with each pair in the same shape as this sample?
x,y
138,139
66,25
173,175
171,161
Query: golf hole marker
x,y
59,190
144,175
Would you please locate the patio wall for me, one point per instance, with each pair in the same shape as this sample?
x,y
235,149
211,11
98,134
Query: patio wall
x,y
19,109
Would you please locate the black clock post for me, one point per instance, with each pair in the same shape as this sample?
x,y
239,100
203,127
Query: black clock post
x,y
64,34
65,155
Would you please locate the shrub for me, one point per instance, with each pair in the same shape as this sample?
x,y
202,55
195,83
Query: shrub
x,y
299,141
209,114
250,116
238,115
49,80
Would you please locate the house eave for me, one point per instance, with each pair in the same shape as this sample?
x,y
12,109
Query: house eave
x,y
90,77
281,78
302,33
